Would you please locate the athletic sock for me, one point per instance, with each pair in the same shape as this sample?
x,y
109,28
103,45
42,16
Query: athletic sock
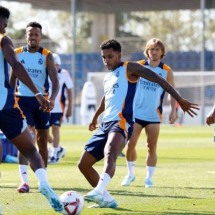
x,y
41,175
23,171
150,172
103,182
131,167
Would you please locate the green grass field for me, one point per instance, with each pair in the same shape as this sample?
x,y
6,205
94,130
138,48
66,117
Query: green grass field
x,y
184,182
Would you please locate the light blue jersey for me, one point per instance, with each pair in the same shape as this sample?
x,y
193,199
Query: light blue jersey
x,y
35,64
150,95
6,92
119,95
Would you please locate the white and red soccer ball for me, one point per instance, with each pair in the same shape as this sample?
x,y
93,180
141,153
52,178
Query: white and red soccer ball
x,y
73,202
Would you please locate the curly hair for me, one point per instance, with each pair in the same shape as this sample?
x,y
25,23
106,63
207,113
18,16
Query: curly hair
x,y
4,12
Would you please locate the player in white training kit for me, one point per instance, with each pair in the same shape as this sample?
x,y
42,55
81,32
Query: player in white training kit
x,y
56,152
148,111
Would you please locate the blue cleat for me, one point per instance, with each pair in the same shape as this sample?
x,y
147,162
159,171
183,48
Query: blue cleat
x,y
105,204
94,196
148,183
52,197
127,180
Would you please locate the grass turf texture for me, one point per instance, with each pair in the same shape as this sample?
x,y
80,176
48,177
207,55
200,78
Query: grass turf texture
x,y
184,182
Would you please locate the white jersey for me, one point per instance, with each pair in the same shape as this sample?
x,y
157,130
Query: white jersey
x,y
65,82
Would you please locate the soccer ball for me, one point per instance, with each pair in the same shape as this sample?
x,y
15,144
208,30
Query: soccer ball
x,y
73,202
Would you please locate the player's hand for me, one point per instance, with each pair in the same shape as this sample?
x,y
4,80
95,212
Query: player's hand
x,y
93,125
188,107
210,119
45,104
172,117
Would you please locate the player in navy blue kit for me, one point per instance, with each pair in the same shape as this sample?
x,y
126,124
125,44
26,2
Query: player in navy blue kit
x,y
117,123
12,121
39,63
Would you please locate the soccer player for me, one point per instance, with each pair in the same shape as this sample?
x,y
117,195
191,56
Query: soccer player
x,y
39,63
65,93
148,111
12,122
117,123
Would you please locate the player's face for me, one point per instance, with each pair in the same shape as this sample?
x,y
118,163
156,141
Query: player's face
x,y
33,37
3,24
155,53
111,58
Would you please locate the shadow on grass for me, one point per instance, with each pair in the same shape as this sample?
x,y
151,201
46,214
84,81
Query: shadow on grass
x,y
157,213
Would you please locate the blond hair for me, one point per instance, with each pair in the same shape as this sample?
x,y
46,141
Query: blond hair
x,y
152,43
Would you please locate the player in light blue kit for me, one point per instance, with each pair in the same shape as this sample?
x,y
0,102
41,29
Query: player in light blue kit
x,y
39,63
12,122
117,123
148,111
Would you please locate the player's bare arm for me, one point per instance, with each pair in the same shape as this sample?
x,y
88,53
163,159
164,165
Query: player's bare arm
x,y
54,78
100,109
136,70
18,71
172,116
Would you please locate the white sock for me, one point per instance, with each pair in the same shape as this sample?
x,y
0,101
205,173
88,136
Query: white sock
x,y
54,152
41,175
107,196
103,182
150,172
23,171
131,166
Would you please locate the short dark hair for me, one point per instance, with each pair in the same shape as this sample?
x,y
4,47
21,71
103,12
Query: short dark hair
x,y
4,12
108,44
34,24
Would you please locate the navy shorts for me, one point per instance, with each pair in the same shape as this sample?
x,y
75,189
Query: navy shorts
x,y
97,142
12,122
144,123
56,119
34,116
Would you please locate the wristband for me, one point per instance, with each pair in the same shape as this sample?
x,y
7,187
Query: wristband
x,y
37,94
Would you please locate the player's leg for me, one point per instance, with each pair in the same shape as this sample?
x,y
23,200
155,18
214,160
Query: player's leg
x,y
15,129
23,166
100,195
24,143
42,139
152,133
58,152
85,165
131,155
42,123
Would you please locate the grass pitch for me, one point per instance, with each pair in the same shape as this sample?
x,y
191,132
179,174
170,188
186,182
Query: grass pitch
x,y
184,181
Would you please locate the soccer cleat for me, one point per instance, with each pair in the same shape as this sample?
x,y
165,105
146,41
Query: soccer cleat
x,y
53,160
105,204
23,188
61,153
148,183
52,197
127,180
94,196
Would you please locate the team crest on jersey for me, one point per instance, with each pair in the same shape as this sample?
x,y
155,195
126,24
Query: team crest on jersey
x,y
40,61
115,86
